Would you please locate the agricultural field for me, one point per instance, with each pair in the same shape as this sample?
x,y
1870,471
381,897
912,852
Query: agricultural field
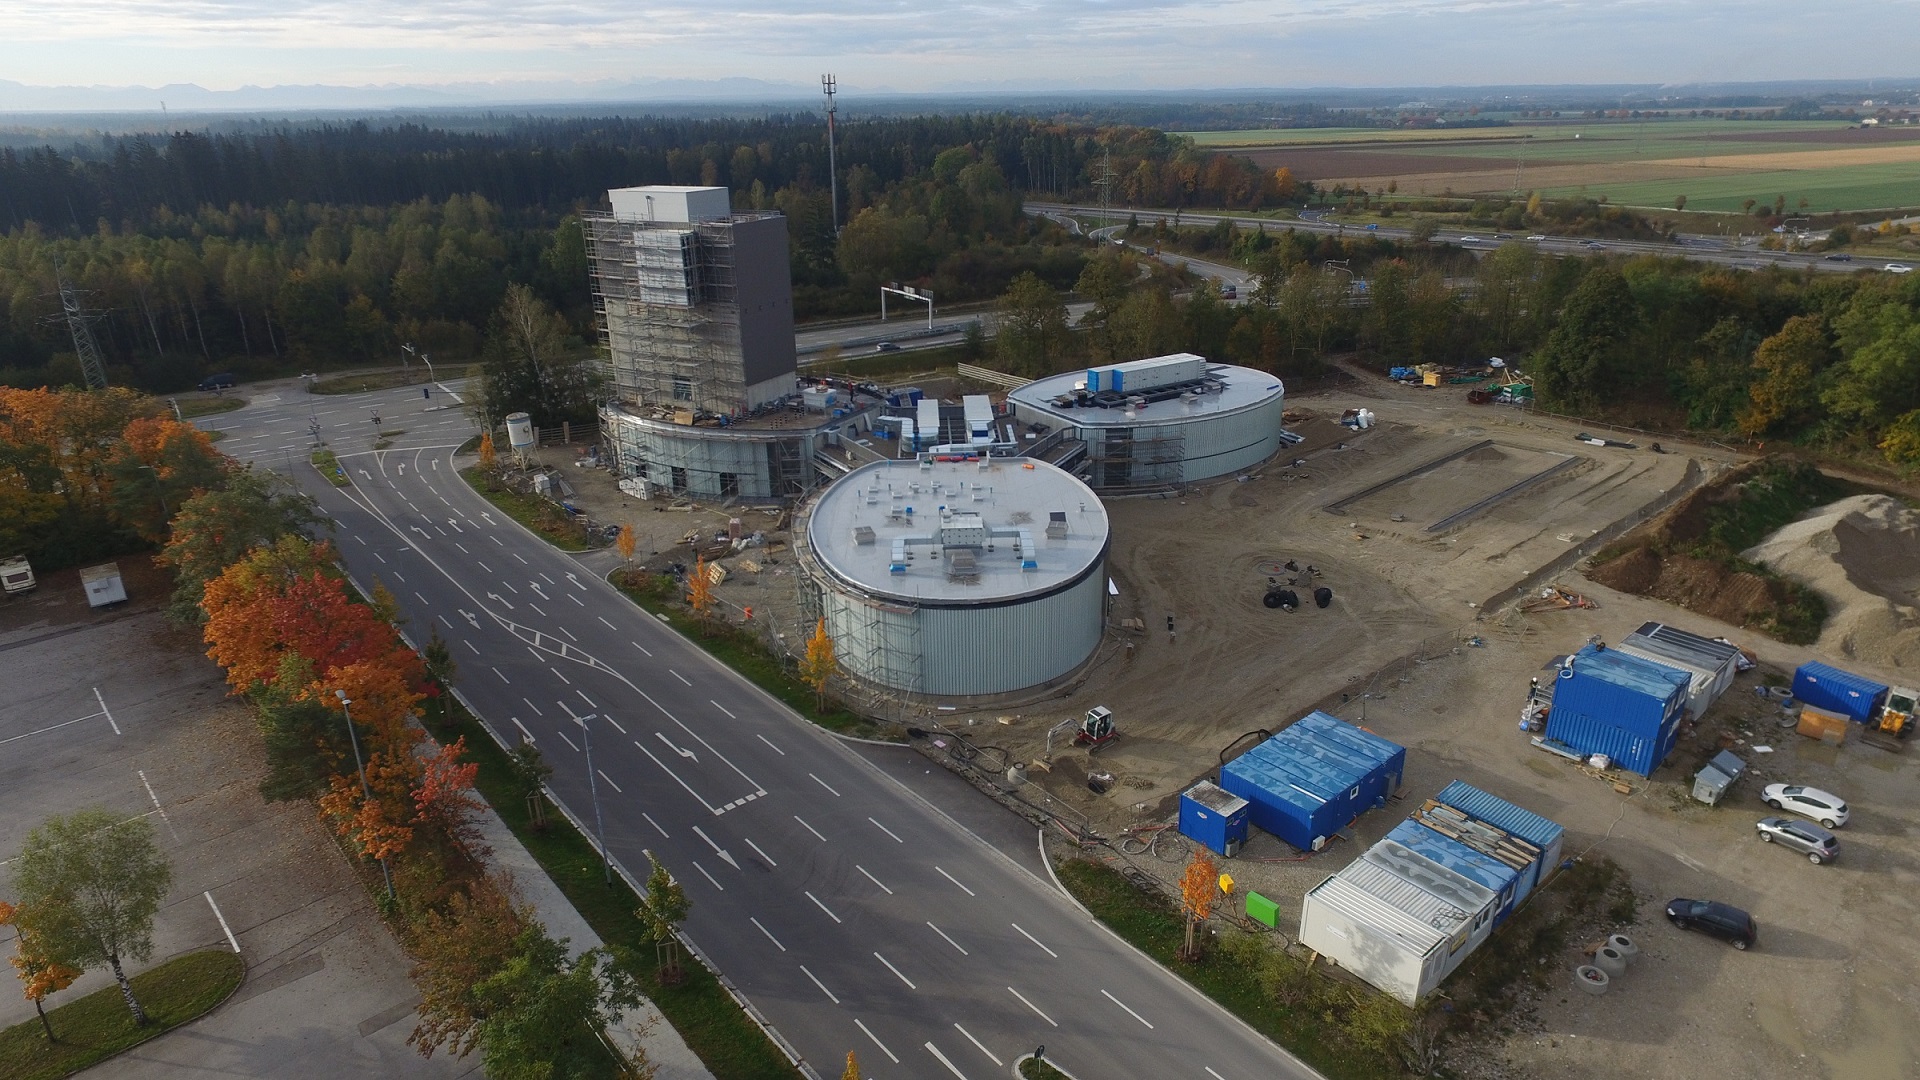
x,y
1716,164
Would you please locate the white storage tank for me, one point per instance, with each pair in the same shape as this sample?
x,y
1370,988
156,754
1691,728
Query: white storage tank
x,y
520,434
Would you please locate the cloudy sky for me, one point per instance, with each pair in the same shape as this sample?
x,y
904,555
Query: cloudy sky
x,y
929,46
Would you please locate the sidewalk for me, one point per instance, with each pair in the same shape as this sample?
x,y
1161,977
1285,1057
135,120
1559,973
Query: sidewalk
x,y
644,1028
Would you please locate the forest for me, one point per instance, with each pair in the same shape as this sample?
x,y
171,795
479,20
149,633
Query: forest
x,y
269,250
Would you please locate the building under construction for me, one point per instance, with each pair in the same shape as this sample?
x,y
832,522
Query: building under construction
x,y
695,309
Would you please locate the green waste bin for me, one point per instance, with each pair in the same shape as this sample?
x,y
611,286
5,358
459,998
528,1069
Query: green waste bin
x,y
1262,910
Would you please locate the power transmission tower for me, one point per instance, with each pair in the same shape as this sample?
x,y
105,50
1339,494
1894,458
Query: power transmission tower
x,y
79,324
1103,182
828,85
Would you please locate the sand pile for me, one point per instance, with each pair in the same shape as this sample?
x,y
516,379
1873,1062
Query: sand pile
x,y
1862,555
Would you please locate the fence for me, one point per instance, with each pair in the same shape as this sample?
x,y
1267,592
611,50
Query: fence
x,y
991,377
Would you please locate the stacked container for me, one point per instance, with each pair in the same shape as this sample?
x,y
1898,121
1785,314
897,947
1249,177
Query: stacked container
x,y
1315,778
1627,708
1498,816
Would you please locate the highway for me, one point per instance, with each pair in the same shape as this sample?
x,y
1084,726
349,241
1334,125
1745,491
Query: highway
x,y
849,911
1697,248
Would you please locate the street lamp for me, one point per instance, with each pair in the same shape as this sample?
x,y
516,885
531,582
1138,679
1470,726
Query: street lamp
x,y
593,792
365,794
159,490
424,358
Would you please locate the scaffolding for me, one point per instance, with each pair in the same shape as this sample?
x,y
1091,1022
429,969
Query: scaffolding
x,y
665,299
1120,460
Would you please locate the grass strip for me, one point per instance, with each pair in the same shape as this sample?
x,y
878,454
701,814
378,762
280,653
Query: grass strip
x,y
1036,1069
361,382
191,407
1152,924
329,467
699,1008
742,651
98,1026
536,513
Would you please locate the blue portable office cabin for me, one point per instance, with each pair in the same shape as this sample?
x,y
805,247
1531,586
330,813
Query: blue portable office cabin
x,y
1214,817
1855,697
1607,702
1473,865
1496,824
1314,778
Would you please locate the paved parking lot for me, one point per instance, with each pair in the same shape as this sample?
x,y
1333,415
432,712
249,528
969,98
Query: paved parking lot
x,y
119,709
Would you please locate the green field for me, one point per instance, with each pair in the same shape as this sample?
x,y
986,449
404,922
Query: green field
x,y
1661,130
1861,187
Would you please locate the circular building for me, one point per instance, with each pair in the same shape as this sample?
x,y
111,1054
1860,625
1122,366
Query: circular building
x,y
1157,423
962,577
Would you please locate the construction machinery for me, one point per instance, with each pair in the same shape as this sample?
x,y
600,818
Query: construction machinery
x,y
1093,731
1897,714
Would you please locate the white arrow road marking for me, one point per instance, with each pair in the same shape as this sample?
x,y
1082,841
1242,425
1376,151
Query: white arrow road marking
x,y
535,586
688,754
718,850
470,617
501,600
456,525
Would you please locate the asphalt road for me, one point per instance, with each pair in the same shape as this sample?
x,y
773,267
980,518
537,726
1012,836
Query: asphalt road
x,y
1696,248
850,912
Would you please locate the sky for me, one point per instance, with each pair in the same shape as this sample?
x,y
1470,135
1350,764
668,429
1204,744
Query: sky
x,y
929,46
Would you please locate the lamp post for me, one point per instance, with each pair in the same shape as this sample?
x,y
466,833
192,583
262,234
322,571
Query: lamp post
x,y
161,491
424,358
593,792
366,794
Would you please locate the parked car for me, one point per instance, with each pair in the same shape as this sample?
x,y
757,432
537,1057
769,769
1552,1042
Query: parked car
x,y
1816,843
1714,919
222,381
1822,806
1899,268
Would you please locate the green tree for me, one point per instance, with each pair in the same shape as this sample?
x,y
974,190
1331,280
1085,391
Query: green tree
x,y
1033,333
90,884
540,1013
530,773
663,907
213,530
1879,379
304,733
1572,369
529,366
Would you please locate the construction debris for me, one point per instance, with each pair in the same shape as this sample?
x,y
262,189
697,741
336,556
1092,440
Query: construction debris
x,y
1555,598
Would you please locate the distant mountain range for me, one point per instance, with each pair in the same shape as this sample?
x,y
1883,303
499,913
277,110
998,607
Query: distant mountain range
x,y
187,97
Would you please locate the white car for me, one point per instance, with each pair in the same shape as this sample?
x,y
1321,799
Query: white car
x,y
1536,237
1899,268
1469,239
1822,806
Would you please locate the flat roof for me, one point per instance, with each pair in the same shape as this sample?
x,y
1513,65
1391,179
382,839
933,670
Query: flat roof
x,y
1009,494
1242,388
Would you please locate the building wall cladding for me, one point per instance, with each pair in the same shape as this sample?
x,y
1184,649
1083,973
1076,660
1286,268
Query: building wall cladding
x,y
1855,697
764,289
1607,702
653,450
1314,778
1213,817
968,650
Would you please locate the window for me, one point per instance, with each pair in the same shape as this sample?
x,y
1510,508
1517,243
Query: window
x,y
679,479
729,485
682,388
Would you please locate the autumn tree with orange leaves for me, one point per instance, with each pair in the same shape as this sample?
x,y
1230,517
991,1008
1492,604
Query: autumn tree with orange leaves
x,y
700,590
42,974
1199,888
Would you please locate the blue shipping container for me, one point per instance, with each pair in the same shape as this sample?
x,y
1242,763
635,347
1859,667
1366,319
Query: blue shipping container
x,y
1514,821
1504,880
1214,817
1855,697
1314,778
1606,702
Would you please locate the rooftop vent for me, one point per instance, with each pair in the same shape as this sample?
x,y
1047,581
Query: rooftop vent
x,y
863,534
962,568
1057,525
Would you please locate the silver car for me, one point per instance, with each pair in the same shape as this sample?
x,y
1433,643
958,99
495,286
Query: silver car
x,y
1816,843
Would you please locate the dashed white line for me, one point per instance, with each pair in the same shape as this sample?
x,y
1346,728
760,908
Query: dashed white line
x,y
1035,940
1210,1072
416,592
575,599
523,729
483,566
496,540
875,880
821,985
557,675
764,739
876,1041
762,854
764,930
824,784
611,720
729,713
444,619
398,578
536,607
523,562
463,550
896,971
503,678
549,580
639,646
570,636
951,1067
470,645
679,676
363,542
716,884
809,828
655,824
589,701
509,586
603,620
829,911
1031,1005
1130,1012
609,780
532,706
886,830
953,879
564,739
382,558
223,921
944,937
991,1056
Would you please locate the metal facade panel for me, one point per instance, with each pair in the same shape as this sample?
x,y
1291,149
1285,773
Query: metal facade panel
x,y
1382,945
990,650
764,295
1723,657
1627,692
1591,734
1314,778
1515,821
1213,817
1855,697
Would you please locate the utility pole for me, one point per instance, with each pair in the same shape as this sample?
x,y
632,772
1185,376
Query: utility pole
x,y
828,85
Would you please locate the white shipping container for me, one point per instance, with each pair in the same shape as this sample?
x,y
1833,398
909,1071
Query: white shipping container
x,y
103,585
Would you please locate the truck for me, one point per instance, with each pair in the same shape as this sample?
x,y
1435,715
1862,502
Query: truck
x,y
16,575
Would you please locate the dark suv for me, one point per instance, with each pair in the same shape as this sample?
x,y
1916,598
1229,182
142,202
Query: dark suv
x,y
1715,919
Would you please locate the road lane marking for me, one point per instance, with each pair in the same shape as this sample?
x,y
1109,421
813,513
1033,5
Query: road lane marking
x,y
877,1042
104,711
161,810
1210,1072
684,786
944,937
423,599
888,831
756,922
549,580
462,548
575,599
363,542
763,739
470,645
496,540
523,562
1130,1012
656,827
509,586
484,566
875,880
564,739
639,646
679,676
955,880
991,1056
611,720
536,607
523,729
951,1067
1031,1005
603,620
446,620
609,780
503,678
228,930
896,971
1035,940
562,678
397,577
816,779
762,854
589,701
532,706
729,713
828,910
717,885
382,558
821,985
809,828
570,636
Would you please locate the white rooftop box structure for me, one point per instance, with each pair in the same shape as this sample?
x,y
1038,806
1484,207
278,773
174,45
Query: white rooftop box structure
x,y
1397,920
665,202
